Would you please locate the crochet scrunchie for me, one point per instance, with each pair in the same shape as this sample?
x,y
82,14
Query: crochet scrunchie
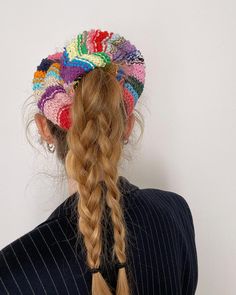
x,y
55,76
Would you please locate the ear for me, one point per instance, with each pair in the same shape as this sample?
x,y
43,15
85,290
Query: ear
x,y
43,128
129,125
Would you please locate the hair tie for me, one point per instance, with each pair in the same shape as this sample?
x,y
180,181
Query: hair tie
x,y
94,270
98,269
120,265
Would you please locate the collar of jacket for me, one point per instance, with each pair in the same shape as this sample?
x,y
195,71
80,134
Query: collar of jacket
x,y
68,207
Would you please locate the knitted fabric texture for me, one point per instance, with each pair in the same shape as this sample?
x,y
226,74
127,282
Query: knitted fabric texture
x,y
54,80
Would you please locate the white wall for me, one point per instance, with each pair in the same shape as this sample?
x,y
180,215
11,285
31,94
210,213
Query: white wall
x,y
189,106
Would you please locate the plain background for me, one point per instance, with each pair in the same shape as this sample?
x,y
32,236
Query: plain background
x,y
188,103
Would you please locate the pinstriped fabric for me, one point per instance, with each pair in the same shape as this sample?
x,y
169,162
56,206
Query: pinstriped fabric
x,y
162,256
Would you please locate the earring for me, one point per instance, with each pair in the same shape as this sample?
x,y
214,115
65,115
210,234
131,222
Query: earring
x,y
126,141
51,147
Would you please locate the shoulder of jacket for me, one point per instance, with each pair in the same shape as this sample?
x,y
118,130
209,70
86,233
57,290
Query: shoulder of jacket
x,y
167,202
163,198
29,240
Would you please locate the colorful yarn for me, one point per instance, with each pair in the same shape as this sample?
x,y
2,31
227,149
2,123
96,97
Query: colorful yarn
x,y
55,76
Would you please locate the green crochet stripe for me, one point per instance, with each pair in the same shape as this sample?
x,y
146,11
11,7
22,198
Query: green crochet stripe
x,y
104,56
137,85
82,48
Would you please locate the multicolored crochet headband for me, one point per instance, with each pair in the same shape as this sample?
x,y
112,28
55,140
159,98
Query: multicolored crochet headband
x,y
55,76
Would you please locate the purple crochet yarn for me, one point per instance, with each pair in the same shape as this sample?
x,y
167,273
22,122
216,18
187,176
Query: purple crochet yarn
x,y
69,74
49,94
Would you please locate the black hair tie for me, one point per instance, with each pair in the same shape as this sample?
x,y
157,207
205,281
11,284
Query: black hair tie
x,y
98,269
120,265
94,270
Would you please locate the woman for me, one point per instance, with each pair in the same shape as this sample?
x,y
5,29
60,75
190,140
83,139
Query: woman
x,y
109,236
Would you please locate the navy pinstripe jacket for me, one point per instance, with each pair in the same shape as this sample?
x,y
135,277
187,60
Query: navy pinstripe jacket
x,y
161,257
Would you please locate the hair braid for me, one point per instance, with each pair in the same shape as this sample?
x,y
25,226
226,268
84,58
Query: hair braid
x,y
90,209
110,155
111,145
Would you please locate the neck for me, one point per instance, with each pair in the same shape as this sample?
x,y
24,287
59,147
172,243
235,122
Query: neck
x,y
72,186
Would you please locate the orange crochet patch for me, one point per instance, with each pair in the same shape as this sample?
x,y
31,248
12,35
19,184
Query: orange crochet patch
x,y
56,65
39,74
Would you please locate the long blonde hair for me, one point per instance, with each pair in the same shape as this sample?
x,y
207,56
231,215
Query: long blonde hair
x,y
91,150
95,142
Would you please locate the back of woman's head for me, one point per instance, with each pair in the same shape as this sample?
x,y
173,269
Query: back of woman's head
x,y
87,93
